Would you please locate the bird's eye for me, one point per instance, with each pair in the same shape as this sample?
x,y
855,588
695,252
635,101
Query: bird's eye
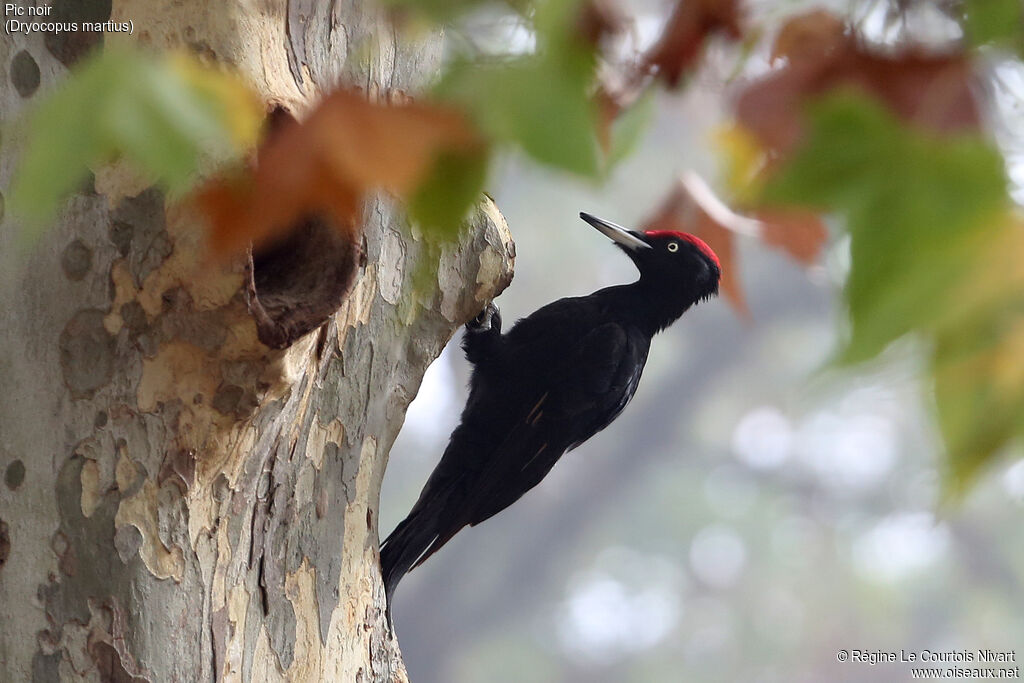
x,y
673,246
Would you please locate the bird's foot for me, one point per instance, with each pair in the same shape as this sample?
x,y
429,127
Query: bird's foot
x,y
485,319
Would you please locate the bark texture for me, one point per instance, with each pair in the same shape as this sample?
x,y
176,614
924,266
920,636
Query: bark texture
x,y
181,502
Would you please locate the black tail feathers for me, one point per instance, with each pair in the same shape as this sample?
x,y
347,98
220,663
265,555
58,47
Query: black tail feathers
x,y
416,538
402,549
398,553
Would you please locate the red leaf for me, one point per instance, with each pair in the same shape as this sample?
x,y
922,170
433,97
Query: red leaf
x,y
935,91
688,209
692,207
597,19
689,26
608,109
327,163
799,232
809,36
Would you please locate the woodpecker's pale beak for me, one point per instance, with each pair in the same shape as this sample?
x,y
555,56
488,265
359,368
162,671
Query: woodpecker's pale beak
x,y
623,237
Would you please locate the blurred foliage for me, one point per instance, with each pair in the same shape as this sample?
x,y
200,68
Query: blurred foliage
x,y
935,254
447,10
451,187
345,149
926,216
168,116
629,128
539,101
927,212
996,22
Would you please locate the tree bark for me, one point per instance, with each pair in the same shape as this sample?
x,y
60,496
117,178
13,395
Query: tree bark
x,y
181,502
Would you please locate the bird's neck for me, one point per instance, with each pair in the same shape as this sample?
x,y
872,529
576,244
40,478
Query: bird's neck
x,y
647,305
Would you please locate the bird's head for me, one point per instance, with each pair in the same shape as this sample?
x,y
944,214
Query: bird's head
x,y
666,258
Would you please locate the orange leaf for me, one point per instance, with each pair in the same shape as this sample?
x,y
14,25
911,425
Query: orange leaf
x,y
676,51
693,207
686,209
608,107
691,23
598,19
324,165
799,232
809,36
935,91
721,242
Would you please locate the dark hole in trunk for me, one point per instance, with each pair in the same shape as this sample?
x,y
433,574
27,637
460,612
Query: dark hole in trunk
x,y
299,280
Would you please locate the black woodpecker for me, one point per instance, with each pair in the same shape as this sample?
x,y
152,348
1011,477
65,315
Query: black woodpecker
x,y
558,377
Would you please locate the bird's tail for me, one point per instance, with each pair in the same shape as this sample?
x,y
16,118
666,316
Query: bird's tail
x,y
403,548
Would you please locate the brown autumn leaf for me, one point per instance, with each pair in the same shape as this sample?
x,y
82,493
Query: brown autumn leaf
x,y
799,232
687,210
721,242
694,208
935,91
598,19
608,105
809,36
676,51
324,165
691,23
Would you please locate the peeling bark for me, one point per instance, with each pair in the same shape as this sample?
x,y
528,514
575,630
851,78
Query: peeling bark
x,y
181,501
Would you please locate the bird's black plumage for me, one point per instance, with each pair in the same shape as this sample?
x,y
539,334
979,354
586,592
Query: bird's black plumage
x,y
555,379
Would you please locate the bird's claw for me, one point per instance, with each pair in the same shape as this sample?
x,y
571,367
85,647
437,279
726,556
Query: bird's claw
x,y
482,322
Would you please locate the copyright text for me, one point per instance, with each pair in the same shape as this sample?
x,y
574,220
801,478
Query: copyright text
x,y
974,664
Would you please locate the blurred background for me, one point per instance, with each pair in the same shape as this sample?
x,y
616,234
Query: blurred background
x,y
753,511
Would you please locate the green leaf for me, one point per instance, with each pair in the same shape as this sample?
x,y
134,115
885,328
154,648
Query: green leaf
x,y
915,205
441,11
629,128
995,22
934,251
452,187
59,148
539,105
540,102
424,276
166,116
979,391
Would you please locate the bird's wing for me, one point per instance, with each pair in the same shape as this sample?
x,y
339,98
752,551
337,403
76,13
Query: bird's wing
x,y
597,379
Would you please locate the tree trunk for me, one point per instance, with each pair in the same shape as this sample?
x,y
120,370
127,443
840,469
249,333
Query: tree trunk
x,y
181,502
